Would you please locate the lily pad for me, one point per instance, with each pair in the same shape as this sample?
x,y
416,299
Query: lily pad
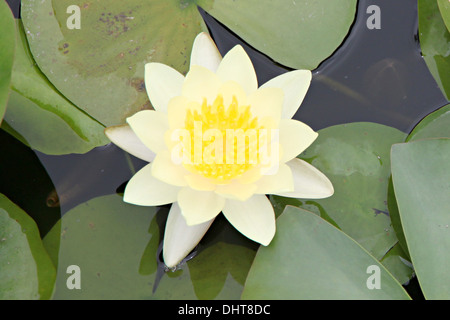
x,y
395,218
435,43
7,40
100,67
444,8
299,34
116,245
356,158
421,177
311,259
26,269
40,116
435,125
399,264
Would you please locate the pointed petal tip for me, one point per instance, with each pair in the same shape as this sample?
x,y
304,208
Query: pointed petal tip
x,y
179,238
124,137
205,52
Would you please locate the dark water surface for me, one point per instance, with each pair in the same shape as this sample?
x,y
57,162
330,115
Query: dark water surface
x,y
376,75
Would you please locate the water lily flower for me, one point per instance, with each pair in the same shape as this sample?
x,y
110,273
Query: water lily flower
x,y
195,172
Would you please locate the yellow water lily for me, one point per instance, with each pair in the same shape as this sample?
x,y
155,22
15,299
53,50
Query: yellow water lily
x,y
218,143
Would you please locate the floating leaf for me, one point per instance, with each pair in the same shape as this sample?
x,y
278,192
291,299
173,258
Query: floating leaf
x,y
26,269
435,125
444,8
7,40
395,218
435,43
421,177
355,157
399,264
297,33
40,116
100,67
311,259
115,244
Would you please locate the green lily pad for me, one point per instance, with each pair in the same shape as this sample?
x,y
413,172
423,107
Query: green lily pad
x,y
311,259
39,116
399,264
395,218
444,8
100,67
7,40
356,158
26,269
421,177
115,245
299,34
435,43
435,125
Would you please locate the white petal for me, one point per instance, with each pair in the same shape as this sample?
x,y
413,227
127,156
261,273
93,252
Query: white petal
x,y
179,238
254,218
162,84
267,102
145,190
205,53
199,206
150,126
295,85
295,137
165,170
201,83
237,66
309,182
125,138
281,181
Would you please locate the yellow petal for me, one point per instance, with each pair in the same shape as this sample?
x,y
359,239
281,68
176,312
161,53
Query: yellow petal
x,y
197,182
295,137
150,127
167,171
162,84
177,109
179,238
201,83
236,190
295,85
125,138
231,89
250,176
199,206
281,181
267,102
254,218
145,190
205,53
237,66
309,182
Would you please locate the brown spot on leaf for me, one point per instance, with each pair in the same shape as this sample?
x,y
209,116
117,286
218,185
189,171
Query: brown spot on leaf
x,y
138,84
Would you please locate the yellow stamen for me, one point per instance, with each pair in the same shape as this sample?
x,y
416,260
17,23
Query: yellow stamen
x,y
228,146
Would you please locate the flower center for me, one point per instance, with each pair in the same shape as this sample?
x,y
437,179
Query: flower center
x,y
224,141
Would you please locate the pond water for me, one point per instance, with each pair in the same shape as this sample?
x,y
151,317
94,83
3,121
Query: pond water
x,y
377,75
